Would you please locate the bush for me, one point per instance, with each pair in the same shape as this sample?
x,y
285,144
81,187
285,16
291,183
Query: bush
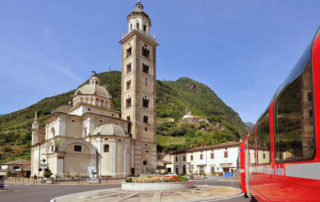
x,y
68,175
6,148
129,179
10,174
183,178
171,179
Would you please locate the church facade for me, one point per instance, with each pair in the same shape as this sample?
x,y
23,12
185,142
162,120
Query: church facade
x,y
90,136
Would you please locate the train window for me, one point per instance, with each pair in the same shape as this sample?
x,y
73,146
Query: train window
x,y
263,139
294,138
252,154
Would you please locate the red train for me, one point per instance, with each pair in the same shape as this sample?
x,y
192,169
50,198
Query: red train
x,y
280,161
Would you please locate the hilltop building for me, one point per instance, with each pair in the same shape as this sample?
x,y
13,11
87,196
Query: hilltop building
x,y
90,136
188,115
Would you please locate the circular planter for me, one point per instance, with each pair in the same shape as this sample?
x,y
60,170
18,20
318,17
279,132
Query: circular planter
x,y
156,186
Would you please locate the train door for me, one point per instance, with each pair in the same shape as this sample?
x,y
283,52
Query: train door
x,y
246,170
241,166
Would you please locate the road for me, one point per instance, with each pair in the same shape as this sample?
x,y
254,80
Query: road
x,y
219,181
44,193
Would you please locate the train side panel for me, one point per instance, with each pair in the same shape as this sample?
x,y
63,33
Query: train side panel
x,y
293,171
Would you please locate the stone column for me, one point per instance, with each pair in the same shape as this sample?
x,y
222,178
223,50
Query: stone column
x,y
125,158
114,156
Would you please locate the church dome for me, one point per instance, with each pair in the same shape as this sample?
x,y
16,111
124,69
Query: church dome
x,y
89,89
109,129
93,88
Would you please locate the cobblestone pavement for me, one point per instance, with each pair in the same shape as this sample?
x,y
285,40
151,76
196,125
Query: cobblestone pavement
x,y
199,193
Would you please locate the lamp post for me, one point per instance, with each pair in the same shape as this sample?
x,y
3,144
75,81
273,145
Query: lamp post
x,y
43,166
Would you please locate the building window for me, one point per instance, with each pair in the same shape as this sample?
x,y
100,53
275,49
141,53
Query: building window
x,y
128,118
77,148
176,159
145,52
201,156
145,68
130,27
264,156
73,121
146,81
129,51
128,68
128,102
16,167
145,102
144,28
145,119
146,129
145,163
212,155
128,84
191,158
184,158
52,148
226,154
106,148
138,26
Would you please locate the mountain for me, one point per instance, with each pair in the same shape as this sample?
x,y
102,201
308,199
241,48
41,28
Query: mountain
x,y
212,121
249,124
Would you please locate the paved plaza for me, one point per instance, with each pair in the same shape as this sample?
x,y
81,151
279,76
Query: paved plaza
x,y
199,193
44,193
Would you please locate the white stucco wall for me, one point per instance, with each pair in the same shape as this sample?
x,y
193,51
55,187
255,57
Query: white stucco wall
x,y
206,164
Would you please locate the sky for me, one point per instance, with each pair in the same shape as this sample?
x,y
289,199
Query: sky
x,y
243,50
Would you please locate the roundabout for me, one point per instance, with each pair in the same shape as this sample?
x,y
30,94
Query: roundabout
x,y
197,193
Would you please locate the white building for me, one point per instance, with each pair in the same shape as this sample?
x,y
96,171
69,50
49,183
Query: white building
x,y
206,159
18,167
90,136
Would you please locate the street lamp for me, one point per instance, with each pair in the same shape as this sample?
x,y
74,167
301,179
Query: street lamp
x,y
43,165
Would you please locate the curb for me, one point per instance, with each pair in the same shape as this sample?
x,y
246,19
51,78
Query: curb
x,y
220,199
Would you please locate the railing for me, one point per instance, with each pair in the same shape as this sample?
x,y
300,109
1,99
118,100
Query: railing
x,y
124,35
62,180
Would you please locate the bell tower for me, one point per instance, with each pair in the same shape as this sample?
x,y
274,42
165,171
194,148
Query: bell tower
x,y
138,88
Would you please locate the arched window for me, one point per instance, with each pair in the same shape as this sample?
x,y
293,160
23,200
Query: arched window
x,y
53,132
145,102
145,51
128,102
106,148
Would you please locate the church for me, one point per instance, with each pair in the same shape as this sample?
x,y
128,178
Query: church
x,y
89,136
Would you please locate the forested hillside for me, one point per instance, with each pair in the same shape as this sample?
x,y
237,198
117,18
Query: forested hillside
x,y
213,121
